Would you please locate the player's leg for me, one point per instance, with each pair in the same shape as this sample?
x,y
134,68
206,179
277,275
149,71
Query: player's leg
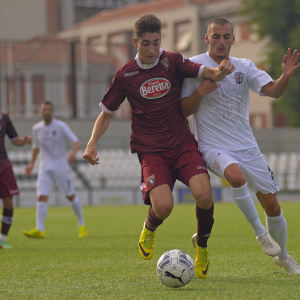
x,y
242,197
7,219
156,184
161,206
201,189
8,189
277,227
77,209
225,166
63,181
44,186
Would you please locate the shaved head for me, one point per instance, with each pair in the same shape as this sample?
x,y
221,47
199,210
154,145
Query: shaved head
x,y
219,21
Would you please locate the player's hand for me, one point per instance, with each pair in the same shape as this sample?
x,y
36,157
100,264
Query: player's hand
x,y
71,157
226,67
28,170
207,86
27,140
290,62
90,154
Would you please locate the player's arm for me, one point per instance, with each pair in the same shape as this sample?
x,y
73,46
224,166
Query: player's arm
x,y
289,65
100,126
19,142
218,73
34,154
189,105
72,155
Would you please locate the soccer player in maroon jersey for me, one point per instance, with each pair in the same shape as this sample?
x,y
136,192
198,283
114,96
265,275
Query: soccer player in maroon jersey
x,y
160,134
8,185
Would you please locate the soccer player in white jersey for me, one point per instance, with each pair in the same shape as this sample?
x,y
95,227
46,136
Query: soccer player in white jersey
x,y
225,139
49,137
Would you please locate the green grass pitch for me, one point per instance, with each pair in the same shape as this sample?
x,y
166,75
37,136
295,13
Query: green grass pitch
x,y
106,264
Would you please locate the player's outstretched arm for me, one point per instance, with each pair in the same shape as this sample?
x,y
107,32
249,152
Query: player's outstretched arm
x,y
290,64
100,126
189,105
218,73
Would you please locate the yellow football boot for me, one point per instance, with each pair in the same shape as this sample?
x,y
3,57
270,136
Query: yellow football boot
x,y
82,231
202,259
146,248
34,233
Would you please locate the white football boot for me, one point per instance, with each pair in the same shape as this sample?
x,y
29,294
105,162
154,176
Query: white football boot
x,y
269,246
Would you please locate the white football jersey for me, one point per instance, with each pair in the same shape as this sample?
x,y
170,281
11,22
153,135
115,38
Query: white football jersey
x,y
222,119
51,140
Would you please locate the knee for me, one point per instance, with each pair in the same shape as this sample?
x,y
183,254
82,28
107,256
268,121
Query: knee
x,y
8,203
237,180
71,198
272,209
204,198
163,210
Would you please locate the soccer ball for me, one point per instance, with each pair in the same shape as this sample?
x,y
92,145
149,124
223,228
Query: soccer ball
x,y
175,268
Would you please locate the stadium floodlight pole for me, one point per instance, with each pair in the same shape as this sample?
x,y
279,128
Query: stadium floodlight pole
x,y
73,81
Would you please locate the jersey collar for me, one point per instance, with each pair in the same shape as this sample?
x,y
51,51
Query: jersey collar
x,y
145,66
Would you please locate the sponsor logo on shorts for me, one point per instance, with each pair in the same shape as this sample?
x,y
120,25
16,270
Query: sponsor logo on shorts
x,y
155,88
143,186
151,180
200,168
217,164
239,77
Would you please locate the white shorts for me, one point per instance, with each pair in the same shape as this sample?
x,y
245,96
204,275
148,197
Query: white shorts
x,y
60,178
258,174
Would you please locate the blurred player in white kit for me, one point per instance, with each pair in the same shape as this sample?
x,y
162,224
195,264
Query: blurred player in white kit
x,y
49,137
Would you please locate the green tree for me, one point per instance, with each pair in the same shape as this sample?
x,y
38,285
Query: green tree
x,y
279,20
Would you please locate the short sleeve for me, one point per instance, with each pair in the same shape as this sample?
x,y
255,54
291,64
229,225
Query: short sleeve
x,y
189,86
68,133
35,140
187,68
114,96
10,129
256,78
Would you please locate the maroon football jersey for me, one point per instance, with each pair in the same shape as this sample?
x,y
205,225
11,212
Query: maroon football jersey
x,y
6,127
154,97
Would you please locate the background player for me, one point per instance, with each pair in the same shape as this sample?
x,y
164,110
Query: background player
x,y
8,185
226,140
160,134
49,136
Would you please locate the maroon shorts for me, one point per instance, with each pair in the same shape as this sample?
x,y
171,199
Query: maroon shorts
x,y
8,184
159,168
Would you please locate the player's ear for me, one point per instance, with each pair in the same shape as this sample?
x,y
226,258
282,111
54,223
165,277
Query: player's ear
x,y
134,40
206,38
233,39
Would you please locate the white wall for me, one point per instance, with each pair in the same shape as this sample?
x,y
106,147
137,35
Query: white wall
x,y
22,19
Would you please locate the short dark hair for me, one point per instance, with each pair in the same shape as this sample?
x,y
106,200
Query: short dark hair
x,y
219,21
147,23
48,103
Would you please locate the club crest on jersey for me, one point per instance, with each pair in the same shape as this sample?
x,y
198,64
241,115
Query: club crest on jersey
x,y
151,180
239,77
155,88
165,63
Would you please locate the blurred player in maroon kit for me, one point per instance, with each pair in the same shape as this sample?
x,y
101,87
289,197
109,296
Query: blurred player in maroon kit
x,y
8,185
160,134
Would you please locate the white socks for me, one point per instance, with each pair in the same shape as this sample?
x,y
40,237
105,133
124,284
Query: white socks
x,y
245,203
2,237
277,228
77,208
41,214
